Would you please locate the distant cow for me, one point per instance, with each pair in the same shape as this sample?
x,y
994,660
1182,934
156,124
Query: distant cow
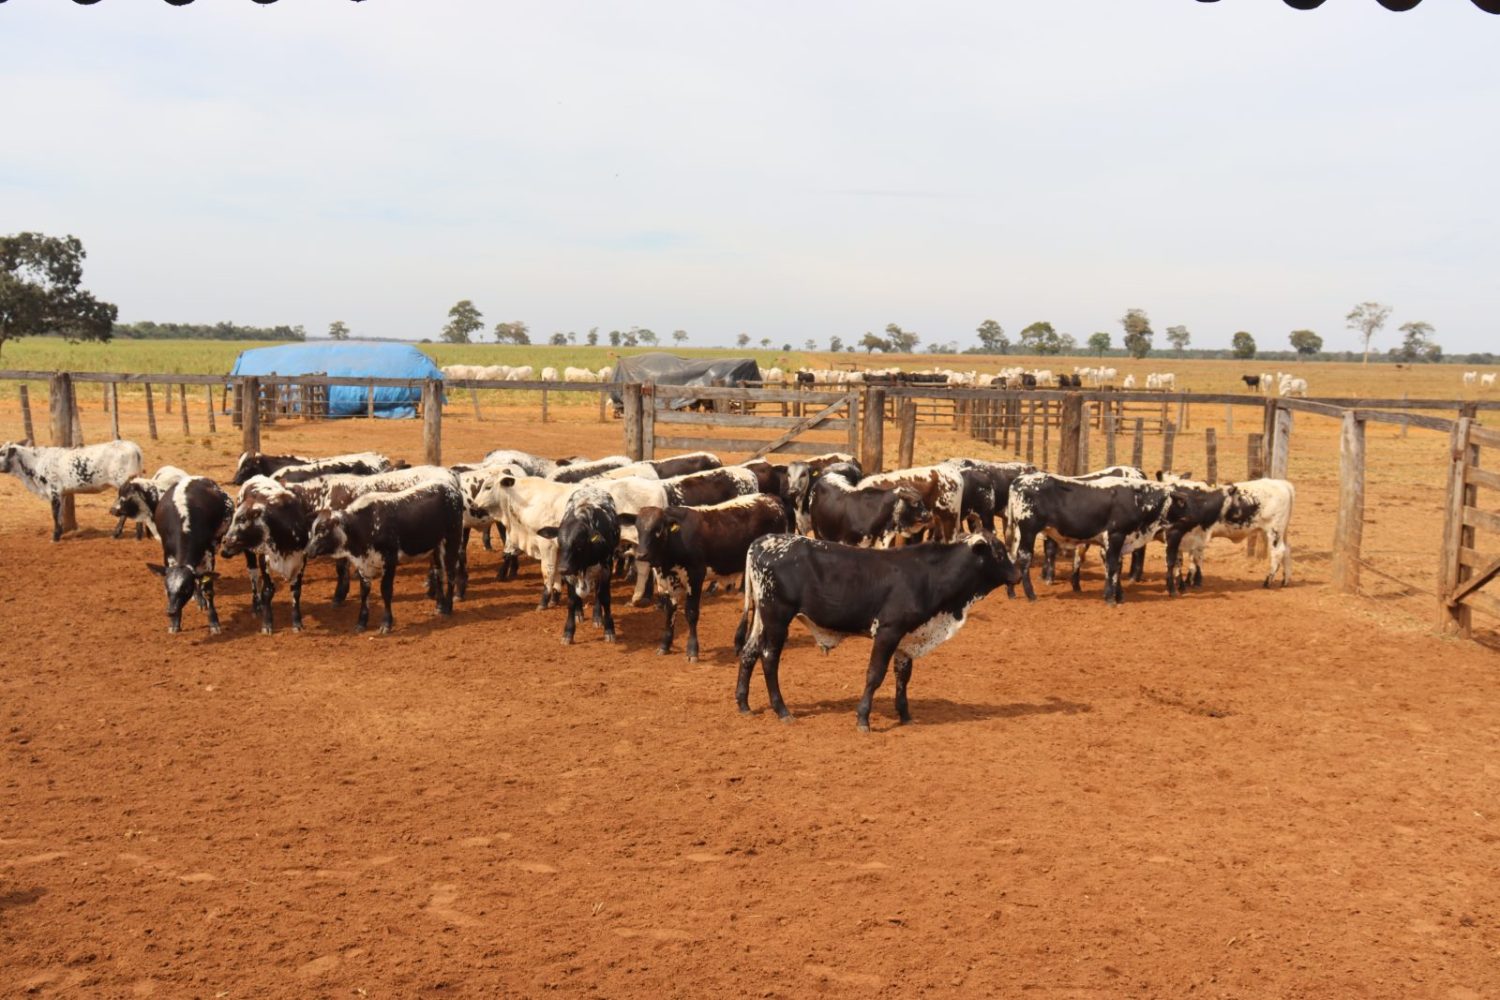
x,y
1251,381
693,542
55,473
191,518
909,600
377,530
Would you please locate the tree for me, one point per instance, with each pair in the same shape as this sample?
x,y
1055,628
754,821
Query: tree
x,y
809,344
593,337
1041,338
679,336
1305,342
765,342
1418,344
338,330
614,338
1367,318
1178,337
835,343
743,340
1099,343
786,348
631,337
572,337
901,341
514,332
644,336
39,293
463,321
558,339
1137,332
1243,345
870,342
992,338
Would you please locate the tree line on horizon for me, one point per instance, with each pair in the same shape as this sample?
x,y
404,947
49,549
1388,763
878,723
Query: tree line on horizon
x,y
41,293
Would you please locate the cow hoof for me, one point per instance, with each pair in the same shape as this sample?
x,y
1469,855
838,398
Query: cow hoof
x,y
360,628
644,602
567,640
744,709
215,629
297,627
692,659
173,629
863,727
789,718
336,601
267,630
385,630
609,637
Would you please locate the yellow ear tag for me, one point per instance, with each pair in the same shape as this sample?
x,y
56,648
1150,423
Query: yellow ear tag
x,y
676,527
596,539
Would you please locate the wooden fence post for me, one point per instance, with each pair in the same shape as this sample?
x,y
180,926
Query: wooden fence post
x,y
1168,445
237,415
1211,447
60,405
1405,428
26,415
167,394
852,444
872,448
631,395
1067,436
1228,419
249,397
648,421
370,400
1349,529
1255,468
1083,438
1109,438
1138,447
544,405
474,398
1046,434
182,398
604,395
76,419
150,413
1182,414
908,433
1281,448
213,426
1031,432
432,421
1458,618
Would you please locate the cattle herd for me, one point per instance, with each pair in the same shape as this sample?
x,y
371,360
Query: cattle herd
x,y
900,557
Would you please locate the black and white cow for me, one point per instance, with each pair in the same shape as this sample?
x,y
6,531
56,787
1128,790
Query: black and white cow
x,y
941,488
579,471
254,463
842,510
1122,515
909,600
1051,546
137,499
1243,508
800,477
377,530
682,465
528,463
692,542
191,517
271,524
55,473
986,489
586,537
364,464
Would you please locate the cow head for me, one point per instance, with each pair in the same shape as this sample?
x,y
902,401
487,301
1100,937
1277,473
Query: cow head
x,y
1239,506
994,561
181,584
247,529
133,501
910,514
7,455
248,465
328,534
587,536
653,527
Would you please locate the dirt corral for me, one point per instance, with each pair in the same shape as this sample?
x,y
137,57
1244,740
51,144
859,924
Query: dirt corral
x,y
1242,793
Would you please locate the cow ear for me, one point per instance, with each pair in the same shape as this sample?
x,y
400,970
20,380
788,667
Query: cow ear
x,y
1158,475
507,481
1187,475
547,532
158,570
627,518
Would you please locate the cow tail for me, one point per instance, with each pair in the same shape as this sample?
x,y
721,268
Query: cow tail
x,y
749,627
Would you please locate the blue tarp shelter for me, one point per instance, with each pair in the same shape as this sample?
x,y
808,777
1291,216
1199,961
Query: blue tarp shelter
x,y
352,358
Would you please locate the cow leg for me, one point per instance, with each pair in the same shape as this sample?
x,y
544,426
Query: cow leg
x,y
341,589
748,647
387,591
645,585
296,588
267,589
140,530
1113,560
772,641
434,578
903,676
57,506
604,602
880,662
1174,547
694,600
1049,561
453,556
1024,553
462,588
1079,551
206,591
363,622
669,615
575,604
119,527
1138,564
488,546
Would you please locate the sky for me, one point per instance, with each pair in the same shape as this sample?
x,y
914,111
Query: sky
x,y
788,170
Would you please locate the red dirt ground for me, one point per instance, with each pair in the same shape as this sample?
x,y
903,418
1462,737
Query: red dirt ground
x,y
1242,793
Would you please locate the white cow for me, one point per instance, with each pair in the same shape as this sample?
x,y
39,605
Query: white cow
x,y
1470,378
1487,380
571,374
55,473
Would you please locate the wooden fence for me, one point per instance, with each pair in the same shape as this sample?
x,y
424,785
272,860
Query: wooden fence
x,y
1463,568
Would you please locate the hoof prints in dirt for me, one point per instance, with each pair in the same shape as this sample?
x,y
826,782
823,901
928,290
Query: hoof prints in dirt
x,y
1177,700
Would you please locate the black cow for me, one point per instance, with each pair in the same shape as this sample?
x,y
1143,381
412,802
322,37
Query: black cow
x,y
190,518
682,465
1251,381
271,525
695,541
369,464
910,600
698,489
800,477
1198,509
579,471
254,463
376,530
1121,514
987,489
874,516
586,538
1028,380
